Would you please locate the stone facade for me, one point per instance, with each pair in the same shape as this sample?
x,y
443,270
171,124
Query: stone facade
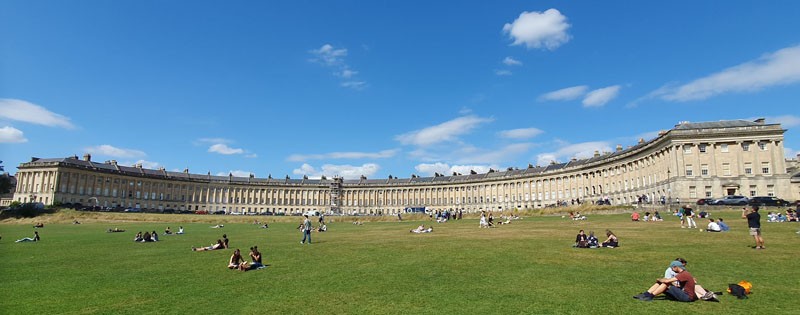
x,y
688,162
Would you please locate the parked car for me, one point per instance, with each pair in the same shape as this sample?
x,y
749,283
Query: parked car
x,y
133,210
218,212
705,201
732,200
768,201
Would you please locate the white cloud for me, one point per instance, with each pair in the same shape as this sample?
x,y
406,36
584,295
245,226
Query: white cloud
x,y
109,150
779,68
20,110
600,97
222,148
10,134
546,29
356,85
566,94
251,156
577,150
493,156
446,131
346,73
331,170
512,62
502,72
329,55
343,155
522,133
145,164
236,173
785,120
212,140
445,169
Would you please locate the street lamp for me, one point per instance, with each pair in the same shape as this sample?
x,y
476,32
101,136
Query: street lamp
x,y
669,188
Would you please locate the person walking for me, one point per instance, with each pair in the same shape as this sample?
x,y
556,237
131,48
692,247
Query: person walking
x,y
306,230
754,223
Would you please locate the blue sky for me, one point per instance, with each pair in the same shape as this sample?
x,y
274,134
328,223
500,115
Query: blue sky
x,y
381,88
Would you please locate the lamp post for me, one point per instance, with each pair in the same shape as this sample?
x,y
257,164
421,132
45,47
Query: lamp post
x,y
669,189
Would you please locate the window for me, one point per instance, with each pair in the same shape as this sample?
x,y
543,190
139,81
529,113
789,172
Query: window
x,y
689,170
762,146
764,167
687,149
726,169
704,170
723,147
745,147
702,148
708,192
771,190
752,190
748,168
692,191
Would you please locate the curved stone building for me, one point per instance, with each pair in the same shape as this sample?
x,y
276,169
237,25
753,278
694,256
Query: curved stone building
x,y
685,163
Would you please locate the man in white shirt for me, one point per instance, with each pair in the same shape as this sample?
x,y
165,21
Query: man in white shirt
x,y
713,226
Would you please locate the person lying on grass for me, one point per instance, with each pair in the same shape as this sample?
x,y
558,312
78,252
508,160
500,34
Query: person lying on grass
x,y
422,229
115,230
35,238
218,245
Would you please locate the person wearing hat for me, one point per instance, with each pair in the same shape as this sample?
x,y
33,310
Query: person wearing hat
x,y
683,292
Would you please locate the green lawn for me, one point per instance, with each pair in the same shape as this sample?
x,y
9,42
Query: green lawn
x,y
528,267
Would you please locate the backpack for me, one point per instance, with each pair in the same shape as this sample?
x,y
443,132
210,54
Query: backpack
x,y
741,289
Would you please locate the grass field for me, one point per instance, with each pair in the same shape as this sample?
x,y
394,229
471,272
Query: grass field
x,y
527,267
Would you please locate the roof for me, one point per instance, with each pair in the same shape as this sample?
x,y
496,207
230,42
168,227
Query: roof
x,y
716,124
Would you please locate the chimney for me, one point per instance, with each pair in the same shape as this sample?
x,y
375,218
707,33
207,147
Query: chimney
x,y
759,121
87,157
596,153
619,147
113,162
186,170
641,140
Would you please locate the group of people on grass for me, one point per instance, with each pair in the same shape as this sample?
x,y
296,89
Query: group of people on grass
x,y
790,216
238,262
146,237
648,217
590,241
677,284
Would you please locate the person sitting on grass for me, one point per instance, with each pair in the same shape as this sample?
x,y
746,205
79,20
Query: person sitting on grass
x,y
147,237
581,241
237,262
115,230
483,222
722,226
684,291
180,230
611,240
713,226
322,228
255,256
154,236
218,245
225,240
38,225
168,231
657,217
593,242
139,237
265,226
218,226
635,216
35,238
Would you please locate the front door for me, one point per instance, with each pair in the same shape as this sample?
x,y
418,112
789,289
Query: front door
x,y
731,191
